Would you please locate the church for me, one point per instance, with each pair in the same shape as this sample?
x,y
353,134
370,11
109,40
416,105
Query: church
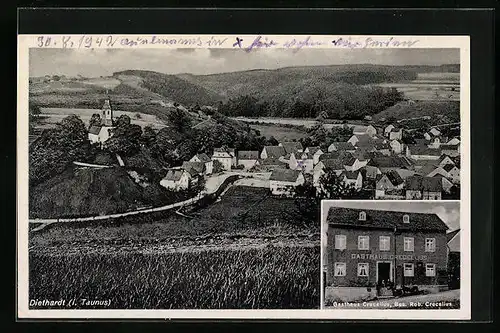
x,y
101,133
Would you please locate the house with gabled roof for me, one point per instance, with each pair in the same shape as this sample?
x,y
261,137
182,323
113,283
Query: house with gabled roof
x,y
397,146
356,138
364,130
444,159
292,147
450,150
423,188
387,184
226,156
176,179
368,247
445,183
453,141
275,152
248,158
301,161
453,172
419,152
316,152
352,178
341,146
337,165
388,129
284,181
207,161
396,133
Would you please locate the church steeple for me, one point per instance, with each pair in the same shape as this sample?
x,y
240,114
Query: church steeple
x,y
107,113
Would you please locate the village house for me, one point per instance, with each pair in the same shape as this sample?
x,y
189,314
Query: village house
x,y
453,142
176,179
292,147
352,178
336,165
396,134
451,150
301,161
453,172
423,188
364,130
269,164
397,147
356,138
382,147
434,132
335,155
388,129
388,163
316,152
445,159
342,146
207,161
248,158
446,184
418,152
369,248
195,169
226,156
284,181
275,152
101,133
389,185
434,143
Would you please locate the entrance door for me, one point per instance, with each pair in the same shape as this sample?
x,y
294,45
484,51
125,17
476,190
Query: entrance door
x,y
384,272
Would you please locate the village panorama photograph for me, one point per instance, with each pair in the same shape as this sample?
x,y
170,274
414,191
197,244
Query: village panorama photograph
x,y
192,178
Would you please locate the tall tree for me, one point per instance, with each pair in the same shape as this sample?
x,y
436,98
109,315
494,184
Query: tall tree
x,y
179,120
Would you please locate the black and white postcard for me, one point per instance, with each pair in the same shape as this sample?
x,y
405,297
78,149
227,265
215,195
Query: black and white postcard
x,y
164,176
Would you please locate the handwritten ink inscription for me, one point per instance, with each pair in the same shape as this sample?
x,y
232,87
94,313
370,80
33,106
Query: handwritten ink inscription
x,y
259,42
373,42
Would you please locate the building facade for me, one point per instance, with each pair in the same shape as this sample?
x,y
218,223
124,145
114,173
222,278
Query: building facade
x,y
367,248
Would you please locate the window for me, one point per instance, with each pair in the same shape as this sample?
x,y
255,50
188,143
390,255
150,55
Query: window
x,y
406,218
362,269
408,269
430,245
430,270
384,243
408,244
340,242
363,242
362,216
340,269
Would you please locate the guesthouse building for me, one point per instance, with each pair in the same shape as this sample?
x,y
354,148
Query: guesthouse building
x,y
370,248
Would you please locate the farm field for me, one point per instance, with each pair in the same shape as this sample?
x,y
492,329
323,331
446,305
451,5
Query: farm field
x,y
267,278
51,116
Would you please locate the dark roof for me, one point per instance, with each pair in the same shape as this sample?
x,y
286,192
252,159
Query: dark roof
x,y
351,174
313,150
422,142
450,235
248,155
343,146
396,129
194,167
448,147
275,151
388,162
441,159
285,175
271,161
394,178
418,183
229,151
363,138
203,157
334,155
424,150
382,145
95,129
349,160
380,219
335,164
448,167
292,147
174,175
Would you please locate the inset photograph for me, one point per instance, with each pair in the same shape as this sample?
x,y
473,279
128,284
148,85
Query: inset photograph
x,y
390,254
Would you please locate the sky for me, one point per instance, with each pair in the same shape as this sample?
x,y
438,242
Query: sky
x,y
103,62
448,211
